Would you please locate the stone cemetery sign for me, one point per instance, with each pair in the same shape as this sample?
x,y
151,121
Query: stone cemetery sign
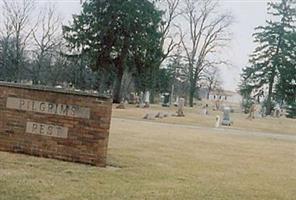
x,y
54,123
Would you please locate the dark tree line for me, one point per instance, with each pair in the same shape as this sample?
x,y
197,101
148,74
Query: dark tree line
x,y
112,45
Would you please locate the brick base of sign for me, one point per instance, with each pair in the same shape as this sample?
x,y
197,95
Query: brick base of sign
x,y
54,123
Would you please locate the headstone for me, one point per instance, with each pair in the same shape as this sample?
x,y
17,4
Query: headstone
x,y
141,98
147,99
176,102
180,112
132,98
149,116
217,124
205,109
252,112
121,105
226,121
277,110
217,104
137,99
166,100
258,113
159,115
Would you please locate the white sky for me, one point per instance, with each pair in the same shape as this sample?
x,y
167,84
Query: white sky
x,y
247,13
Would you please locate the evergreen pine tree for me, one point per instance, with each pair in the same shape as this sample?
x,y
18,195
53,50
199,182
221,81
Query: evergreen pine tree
x,y
114,33
272,58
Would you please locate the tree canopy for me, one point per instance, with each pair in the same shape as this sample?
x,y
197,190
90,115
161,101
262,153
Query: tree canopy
x,y
117,35
273,60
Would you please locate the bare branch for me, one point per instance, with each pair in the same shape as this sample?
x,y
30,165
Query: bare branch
x,y
168,39
47,39
208,32
16,20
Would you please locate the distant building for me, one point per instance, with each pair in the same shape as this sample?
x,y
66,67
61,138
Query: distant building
x,y
223,95
226,96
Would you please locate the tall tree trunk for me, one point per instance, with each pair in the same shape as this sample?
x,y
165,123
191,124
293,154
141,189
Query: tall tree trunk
x,y
172,94
270,88
191,94
192,83
153,83
208,93
152,96
273,73
117,89
120,62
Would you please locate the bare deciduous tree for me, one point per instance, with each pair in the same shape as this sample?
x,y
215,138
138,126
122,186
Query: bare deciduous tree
x,y
168,39
211,79
16,28
208,31
47,39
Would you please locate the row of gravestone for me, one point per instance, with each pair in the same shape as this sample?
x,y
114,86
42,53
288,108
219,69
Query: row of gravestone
x,y
226,120
143,99
159,115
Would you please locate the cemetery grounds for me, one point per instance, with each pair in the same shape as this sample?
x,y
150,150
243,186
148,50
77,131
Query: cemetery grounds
x,y
169,158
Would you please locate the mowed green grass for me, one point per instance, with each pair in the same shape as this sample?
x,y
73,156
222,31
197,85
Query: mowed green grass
x,y
150,160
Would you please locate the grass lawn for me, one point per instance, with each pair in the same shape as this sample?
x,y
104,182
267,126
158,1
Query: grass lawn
x,y
193,116
148,160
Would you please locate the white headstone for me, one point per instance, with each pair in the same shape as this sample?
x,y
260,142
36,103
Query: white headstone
x,y
226,117
147,97
217,124
181,103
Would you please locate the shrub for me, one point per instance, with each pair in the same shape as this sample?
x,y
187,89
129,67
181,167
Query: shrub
x,y
291,110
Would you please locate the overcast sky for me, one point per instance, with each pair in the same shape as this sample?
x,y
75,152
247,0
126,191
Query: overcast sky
x,y
247,13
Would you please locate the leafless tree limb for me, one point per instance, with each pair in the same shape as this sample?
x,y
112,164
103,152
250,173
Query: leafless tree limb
x,y
208,31
16,19
168,39
47,39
